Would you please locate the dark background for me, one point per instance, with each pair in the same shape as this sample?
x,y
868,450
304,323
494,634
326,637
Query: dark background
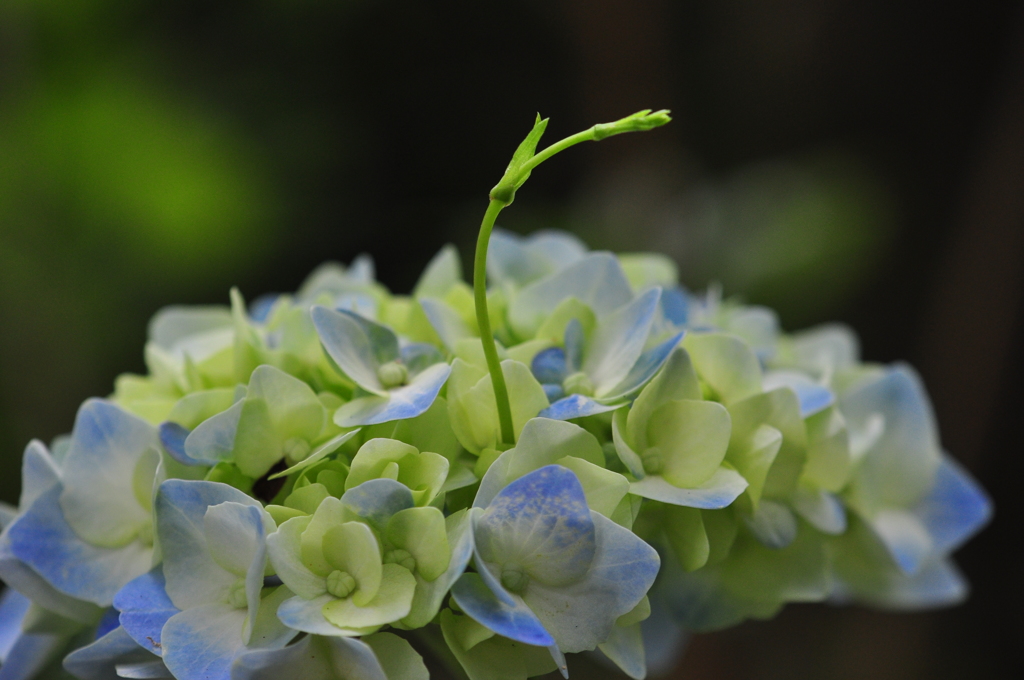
x,y
854,161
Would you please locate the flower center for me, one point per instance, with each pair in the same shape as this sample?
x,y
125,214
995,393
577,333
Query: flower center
x,y
236,596
401,558
296,450
514,578
392,374
340,584
578,383
653,463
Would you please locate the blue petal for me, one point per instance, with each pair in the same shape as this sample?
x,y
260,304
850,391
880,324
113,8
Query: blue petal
x,y
581,614
201,643
596,280
145,608
307,616
574,341
542,523
108,622
644,368
899,468
23,578
191,574
549,366
259,309
938,584
399,404
553,392
419,356
213,440
618,341
576,406
43,539
720,491
450,327
99,660
106,445
955,509
357,345
906,538
173,436
508,260
377,500
30,654
813,397
511,618
675,305
13,606
515,259
39,473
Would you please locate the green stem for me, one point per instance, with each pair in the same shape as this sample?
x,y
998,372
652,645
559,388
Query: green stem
x,y
523,162
484,321
585,136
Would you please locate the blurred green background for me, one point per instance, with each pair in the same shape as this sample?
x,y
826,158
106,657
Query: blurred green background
x,y
861,162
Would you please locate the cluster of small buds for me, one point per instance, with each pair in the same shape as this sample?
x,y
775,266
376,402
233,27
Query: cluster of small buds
x,y
315,484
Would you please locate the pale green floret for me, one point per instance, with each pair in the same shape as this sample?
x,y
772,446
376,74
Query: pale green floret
x,y
652,460
514,578
392,374
579,383
401,558
236,596
424,472
296,450
340,583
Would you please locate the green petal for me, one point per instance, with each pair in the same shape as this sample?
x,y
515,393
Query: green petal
x,y
684,528
693,437
829,462
644,270
780,409
677,380
397,657
494,657
352,547
442,272
421,532
753,457
194,408
330,513
319,453
373,457
726,364
604,489
553,328
392,602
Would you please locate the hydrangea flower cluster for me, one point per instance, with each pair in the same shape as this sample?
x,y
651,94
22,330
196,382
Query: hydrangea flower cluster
x,y
325,484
